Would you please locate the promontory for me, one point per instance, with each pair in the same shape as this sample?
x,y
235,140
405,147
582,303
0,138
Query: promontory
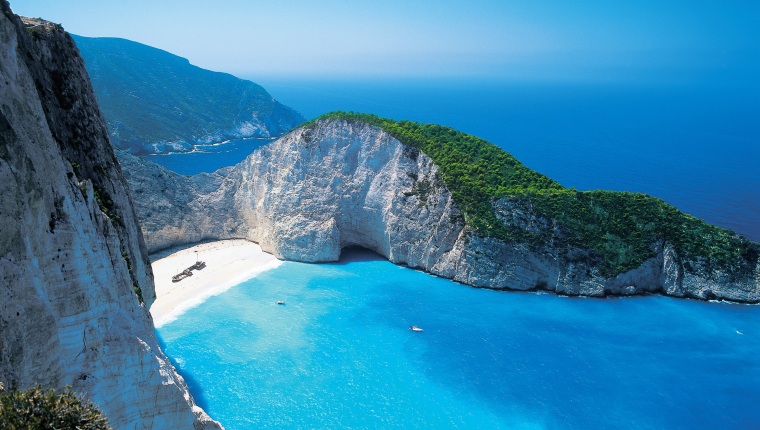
x,y
448,203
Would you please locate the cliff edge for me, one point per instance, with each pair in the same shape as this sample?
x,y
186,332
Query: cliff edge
x,y
76,280
155,102
343,181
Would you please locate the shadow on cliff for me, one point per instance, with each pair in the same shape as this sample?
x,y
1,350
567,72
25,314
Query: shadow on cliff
x,y
192,385
351,254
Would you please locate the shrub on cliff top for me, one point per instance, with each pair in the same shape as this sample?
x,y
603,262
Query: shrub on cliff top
x,y
620,228
36,408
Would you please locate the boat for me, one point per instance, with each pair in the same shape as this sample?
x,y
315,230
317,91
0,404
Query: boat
x,y
415,328
180,276
280,302
199,265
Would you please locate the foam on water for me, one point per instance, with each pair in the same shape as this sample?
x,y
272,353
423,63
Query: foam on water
x,y
339,354
209,157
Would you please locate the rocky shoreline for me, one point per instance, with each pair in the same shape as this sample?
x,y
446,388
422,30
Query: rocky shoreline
x,y
342,183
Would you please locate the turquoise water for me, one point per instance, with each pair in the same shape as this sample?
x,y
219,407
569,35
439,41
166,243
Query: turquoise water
x,y
339,354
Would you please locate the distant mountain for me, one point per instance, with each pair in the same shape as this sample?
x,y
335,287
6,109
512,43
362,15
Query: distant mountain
x,y
154,101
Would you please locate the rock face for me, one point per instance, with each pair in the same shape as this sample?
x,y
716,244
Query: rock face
x,y
156,102
176,210
337,183
73,264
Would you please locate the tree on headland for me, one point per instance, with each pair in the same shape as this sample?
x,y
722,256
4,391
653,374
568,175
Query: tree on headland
x,y
620,230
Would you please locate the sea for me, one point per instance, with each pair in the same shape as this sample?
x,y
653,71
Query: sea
x,y
209,157
339,353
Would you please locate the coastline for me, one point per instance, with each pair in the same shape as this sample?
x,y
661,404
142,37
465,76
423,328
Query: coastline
x,y
228,263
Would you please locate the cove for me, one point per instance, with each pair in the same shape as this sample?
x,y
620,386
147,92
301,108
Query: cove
x,y
339,354
209,157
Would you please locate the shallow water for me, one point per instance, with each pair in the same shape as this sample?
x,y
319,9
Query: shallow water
x,y
339,354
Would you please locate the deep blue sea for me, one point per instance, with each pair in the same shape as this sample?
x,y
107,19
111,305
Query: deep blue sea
x,y
339,354
211,157
695,146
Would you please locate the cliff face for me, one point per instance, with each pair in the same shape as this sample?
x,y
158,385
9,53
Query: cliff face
x,y
339,183
155,102
73,264
176,210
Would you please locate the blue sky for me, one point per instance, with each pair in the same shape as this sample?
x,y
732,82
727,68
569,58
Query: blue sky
x,y
555,40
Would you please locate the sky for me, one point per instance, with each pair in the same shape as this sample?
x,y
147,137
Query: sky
x,y
594,40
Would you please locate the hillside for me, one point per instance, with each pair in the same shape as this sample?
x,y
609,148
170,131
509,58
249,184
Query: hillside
x,y
445,202
619,228
154,101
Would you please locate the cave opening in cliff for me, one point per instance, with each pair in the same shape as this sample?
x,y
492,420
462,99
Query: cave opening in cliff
x,y
353,253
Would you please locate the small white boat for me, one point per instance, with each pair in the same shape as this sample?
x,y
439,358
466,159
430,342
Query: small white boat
x,y
280,302
415,328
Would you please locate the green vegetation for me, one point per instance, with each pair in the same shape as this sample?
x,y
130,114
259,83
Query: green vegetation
x,y
106,205
620,228
148,96
135,285
36,408
35,32
136,288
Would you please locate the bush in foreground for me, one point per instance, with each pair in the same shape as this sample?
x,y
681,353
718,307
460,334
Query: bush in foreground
x,y
36,408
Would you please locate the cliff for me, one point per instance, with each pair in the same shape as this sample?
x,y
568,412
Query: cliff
x,y
154,101
176,210
342,181
76,281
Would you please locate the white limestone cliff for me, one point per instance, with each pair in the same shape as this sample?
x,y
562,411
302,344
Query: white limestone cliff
x,y
339,183
72,260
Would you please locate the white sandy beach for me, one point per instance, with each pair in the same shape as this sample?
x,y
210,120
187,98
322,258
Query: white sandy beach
x,y
228,263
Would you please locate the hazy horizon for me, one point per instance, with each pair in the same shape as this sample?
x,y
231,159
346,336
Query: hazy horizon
x,y
646,41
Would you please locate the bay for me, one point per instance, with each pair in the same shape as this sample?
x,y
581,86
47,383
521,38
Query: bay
x,y
339,354
209,157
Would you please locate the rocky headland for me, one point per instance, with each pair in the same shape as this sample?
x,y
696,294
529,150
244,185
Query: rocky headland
x,y
76,280
156,102
344,180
